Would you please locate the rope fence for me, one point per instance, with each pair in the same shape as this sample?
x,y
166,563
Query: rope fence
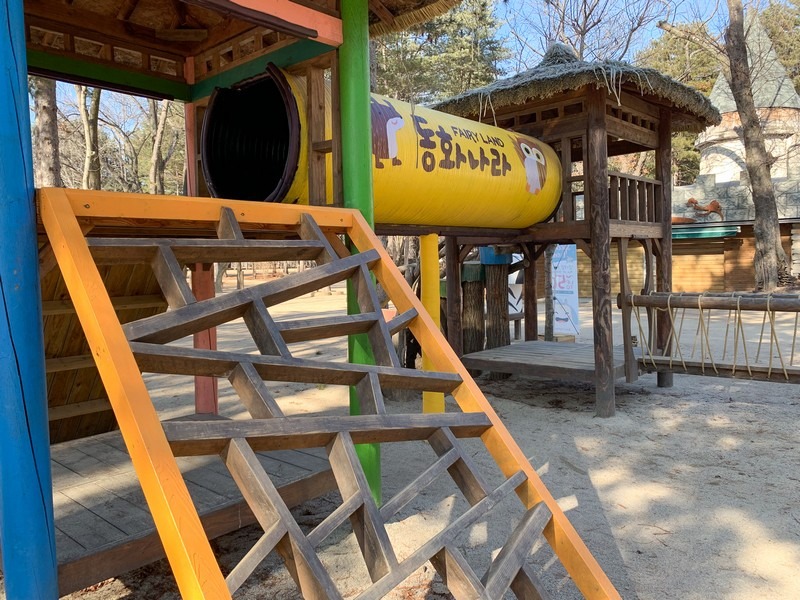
x,y
735,334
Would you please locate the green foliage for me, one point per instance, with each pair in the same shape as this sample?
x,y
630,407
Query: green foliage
x,y
682,60
444,57
782,22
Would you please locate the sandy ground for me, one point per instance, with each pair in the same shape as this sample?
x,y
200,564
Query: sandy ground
x,y
688,492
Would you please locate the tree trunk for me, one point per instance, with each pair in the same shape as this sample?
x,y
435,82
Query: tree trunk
x,y
473,319
158,116
89,117
771,266
497,334
46,159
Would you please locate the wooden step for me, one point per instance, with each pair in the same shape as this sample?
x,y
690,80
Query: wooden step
x,y
155,358
203,437
304,330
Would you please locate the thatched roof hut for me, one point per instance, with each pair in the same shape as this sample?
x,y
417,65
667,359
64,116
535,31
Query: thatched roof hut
x,y
561,71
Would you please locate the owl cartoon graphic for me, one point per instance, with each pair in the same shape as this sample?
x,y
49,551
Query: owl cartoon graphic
x,y
534,163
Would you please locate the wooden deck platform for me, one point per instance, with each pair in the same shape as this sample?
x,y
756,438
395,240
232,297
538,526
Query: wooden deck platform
x,y
552,360
103,525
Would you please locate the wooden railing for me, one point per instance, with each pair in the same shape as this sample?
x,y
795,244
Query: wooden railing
x,y
633,198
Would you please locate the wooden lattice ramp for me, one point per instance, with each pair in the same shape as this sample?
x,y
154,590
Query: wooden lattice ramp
x,y
129,229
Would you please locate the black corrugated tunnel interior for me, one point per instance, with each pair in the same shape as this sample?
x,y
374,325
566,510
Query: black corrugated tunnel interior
x,y
251,139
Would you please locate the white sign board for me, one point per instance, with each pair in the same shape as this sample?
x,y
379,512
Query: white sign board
x,y
565,290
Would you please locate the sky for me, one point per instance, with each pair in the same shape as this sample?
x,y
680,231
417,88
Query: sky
x,y
525,17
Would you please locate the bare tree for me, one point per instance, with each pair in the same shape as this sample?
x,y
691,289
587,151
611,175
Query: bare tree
x,y
90,117
159,158
46,159
594,29
771,265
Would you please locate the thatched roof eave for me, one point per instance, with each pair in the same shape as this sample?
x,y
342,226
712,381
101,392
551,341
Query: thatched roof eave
x,y
408,15
554,76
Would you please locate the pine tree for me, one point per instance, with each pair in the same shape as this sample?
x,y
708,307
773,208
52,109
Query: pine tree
x,y
446,56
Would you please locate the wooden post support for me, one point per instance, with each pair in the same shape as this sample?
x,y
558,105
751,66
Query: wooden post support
x,y
664,210
454,335
631,364
596,155
315,119
27,533
352,68
529,295
206,393
429,274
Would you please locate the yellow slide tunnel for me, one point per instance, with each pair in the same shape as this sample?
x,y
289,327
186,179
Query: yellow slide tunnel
x,y
429,168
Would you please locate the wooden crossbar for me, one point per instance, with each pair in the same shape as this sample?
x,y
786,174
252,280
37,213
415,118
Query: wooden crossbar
x,y
203,437
155,358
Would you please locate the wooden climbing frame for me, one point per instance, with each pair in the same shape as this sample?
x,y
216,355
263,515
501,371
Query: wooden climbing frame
x,y
169,233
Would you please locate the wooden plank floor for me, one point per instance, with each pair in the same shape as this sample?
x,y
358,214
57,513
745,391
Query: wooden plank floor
x,y
553,360
102,519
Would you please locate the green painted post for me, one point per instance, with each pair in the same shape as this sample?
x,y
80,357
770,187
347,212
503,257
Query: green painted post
x,y
357,180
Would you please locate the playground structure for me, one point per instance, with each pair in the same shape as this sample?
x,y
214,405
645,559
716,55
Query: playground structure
x,y
94,382
105,298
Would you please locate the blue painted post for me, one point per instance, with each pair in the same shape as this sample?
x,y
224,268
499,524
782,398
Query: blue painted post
x,y
27,533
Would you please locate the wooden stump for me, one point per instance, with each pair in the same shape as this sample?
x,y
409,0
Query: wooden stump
x,y
473,324
497,333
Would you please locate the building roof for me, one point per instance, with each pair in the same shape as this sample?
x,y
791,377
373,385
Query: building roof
x,y
772,87
561,71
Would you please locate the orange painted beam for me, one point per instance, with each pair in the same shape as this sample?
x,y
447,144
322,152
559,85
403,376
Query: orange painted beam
x,y
196,570
117,208
587,574
328,28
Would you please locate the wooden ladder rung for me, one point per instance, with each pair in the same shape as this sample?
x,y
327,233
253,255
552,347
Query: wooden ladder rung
x,y
445,538
155,358
68,363
200,316
402,320
204,437
134,250
327,327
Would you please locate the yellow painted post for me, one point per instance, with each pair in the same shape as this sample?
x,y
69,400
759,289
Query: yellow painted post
x,y
429,272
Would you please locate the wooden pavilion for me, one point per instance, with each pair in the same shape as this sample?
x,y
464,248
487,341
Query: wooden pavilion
x,y
590,112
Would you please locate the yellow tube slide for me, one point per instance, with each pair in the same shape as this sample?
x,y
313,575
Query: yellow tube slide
x,y
429,168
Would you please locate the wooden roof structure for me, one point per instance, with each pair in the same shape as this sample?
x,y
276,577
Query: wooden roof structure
x,y
181,49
